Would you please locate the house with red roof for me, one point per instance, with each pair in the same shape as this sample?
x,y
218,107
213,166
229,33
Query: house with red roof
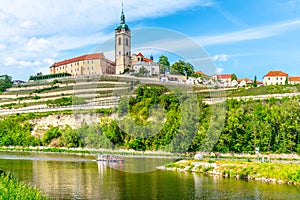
x,y
86,65
138,61
275,77
222,77
293,80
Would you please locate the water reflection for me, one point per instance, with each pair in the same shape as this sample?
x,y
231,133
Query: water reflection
x,y
100,180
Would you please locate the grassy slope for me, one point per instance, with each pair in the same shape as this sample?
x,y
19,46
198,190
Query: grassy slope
x,y
10,188
286,173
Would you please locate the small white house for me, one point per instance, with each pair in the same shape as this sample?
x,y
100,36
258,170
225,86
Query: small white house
x,y
151,67
275,78
234,83
190,81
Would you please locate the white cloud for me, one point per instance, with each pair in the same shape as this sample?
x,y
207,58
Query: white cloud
x,y
2,46
28,24
36,44
48,61
219,70
34,30
220,57
9,61
249,34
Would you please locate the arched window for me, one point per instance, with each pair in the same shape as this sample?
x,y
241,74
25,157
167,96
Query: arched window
x,y
119,41
126,41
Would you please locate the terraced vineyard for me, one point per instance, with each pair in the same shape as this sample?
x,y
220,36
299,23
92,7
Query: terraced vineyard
x,y
99,91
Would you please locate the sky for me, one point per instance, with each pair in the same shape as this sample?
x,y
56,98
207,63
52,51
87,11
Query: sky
x,y
248,38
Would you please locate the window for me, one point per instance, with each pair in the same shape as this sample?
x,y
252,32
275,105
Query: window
x,y
280,78
119,52
87,62
92,67
119,41
126,53
126,41
269,78
92,61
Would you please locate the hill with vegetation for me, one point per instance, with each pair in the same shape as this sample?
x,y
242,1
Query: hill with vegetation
x,y
270,124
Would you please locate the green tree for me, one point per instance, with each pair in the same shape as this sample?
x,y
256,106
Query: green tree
x,y
164,64
142,71
183,68
254,82
51,134
71,138
233,77
5,82
286,80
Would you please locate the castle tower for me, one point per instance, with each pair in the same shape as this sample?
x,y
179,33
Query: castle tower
x,y
122,46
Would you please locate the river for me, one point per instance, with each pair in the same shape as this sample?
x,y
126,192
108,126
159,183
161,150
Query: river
x,y
67,176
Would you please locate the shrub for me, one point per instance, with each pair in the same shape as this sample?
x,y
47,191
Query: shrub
x,y
51,134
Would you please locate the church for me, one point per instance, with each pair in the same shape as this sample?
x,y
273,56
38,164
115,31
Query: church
x,y
96,63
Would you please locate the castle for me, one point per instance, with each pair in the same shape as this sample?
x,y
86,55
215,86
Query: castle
x,y
97,64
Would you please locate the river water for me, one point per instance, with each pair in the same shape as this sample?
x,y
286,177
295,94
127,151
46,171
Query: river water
x,y
65,176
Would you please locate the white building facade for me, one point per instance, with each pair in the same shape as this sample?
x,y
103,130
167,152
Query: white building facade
x,y
275,78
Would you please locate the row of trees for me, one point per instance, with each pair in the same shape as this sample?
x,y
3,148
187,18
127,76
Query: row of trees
x,y
272,125
16,131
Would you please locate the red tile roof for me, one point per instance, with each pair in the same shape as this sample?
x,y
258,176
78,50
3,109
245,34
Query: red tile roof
x,y
276,73
201,73
140,54
294,78
247,80
79,58
147,60
224,76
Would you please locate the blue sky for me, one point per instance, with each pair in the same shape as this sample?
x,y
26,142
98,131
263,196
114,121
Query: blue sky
x,y
247,38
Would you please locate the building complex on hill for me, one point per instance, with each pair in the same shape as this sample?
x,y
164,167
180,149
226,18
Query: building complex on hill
x,y
86,65
97,64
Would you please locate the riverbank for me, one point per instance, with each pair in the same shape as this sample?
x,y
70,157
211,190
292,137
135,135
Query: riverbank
x,y
265,172
92,151
159,154
10,188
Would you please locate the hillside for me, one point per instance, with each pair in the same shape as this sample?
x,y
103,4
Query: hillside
x,y
63,92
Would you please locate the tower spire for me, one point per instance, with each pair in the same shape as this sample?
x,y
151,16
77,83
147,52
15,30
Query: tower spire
x,y
122,15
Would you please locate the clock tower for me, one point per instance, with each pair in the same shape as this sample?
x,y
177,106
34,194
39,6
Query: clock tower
x,y
122,46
